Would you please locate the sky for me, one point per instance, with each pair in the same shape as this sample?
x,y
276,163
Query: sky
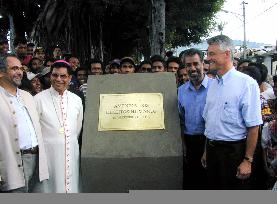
x,y
261,20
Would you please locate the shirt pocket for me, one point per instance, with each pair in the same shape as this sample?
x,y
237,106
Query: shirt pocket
x,y
230,113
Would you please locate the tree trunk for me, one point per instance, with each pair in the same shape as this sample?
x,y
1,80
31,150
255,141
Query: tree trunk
x,y
157,38
12,32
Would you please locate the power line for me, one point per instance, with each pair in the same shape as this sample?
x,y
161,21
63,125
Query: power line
x,y
266,10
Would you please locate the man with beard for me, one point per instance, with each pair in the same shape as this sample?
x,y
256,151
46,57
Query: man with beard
x,y
191,101
23,161
232,117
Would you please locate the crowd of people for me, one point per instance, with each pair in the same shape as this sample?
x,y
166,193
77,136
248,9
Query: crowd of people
x,y
227,109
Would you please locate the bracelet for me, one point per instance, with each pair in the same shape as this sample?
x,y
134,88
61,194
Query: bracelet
x,y
249,159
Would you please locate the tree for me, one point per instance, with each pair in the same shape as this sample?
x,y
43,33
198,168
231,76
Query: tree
x,y
157,38
109,29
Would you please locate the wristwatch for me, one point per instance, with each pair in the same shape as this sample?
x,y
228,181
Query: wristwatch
x,y
249,159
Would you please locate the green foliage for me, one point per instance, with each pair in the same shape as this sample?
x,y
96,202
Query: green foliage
x,y
122,27
188,21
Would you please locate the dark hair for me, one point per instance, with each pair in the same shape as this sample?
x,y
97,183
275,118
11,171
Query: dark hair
x,y
60,65
191,52
50,59
30,64
18,41
81,68
275,79
243,61
144,62
262,68
30,44
94,61
156,58
174,59
212,72
254,72
26,83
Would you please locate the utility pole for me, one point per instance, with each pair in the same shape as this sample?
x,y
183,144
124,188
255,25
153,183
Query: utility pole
x,y
244,30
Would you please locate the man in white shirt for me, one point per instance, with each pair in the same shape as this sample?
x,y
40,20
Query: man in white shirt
x,y
23,161
61,115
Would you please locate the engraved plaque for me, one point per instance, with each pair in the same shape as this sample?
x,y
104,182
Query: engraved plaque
x,y
135,111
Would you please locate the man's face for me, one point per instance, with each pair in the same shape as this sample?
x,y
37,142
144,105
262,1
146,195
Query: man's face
x,y
21,50
36,64
96,69
57,52
114,68
30,50
242,66
14,71
195,68
60,79
173,67
183,76
157,66
40,55
4,47
82,76
217,57
127,68
74,62
145,68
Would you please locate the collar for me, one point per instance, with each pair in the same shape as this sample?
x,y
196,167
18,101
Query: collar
x,y
55,93
204,83
223,79
8,94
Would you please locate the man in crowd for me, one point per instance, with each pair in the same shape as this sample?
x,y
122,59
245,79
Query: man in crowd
x,y
74,63
173,64
40,53
4,46
57,53
144,67
182,75
127,65
61,115
30,48
191,100
232,117
23,162
82,77
20,47
157,64
96,67
114,66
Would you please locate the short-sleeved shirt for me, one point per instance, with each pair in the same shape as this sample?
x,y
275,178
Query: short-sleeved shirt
x,y
232,105
191,104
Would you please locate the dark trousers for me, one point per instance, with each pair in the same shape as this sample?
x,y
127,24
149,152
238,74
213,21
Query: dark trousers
x,y
195,177
223,159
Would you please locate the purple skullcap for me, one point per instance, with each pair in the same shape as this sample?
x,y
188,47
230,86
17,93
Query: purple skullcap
x,y
62,61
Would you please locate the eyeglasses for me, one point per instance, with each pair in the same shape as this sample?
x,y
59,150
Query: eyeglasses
x,y
62,76
16,68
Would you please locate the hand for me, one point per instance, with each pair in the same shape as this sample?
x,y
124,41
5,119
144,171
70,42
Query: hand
x,y
244,170
203,160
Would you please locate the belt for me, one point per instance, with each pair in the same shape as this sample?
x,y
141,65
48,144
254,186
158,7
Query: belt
x,y
222,142
33,150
